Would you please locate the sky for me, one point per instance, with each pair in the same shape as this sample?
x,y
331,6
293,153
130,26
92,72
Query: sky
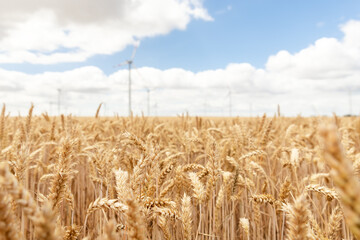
x,y
202,57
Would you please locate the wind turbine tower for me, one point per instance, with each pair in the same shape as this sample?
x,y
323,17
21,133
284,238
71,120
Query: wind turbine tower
x,y
230,103
129,63
229,96
58,103
350,102
148,92
148,101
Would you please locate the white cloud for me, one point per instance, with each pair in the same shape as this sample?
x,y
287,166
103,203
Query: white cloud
x,y
315,80
328,64
38,31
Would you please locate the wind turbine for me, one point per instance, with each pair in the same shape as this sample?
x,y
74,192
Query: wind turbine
x,y
129,63
350,102
59,98
148,100
229,96
148,91
147,88
230,102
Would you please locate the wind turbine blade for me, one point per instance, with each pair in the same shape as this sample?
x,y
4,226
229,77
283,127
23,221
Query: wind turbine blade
x,y
121,64
133,53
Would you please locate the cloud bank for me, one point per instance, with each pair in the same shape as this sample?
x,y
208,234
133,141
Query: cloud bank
x,y
320,79
52,31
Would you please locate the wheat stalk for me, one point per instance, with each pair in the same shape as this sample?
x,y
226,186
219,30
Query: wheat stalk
x,y
344,178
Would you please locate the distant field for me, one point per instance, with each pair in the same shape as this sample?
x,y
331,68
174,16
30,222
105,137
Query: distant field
x,y
179,177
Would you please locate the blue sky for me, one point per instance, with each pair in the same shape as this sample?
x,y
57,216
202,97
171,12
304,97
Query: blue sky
x,y
209,35
242,31
250,32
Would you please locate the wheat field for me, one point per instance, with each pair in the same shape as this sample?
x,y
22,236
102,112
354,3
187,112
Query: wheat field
x,y
268,177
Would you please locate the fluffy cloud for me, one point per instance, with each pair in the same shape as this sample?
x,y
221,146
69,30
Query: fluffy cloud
x,y
320,79
336,62
38,31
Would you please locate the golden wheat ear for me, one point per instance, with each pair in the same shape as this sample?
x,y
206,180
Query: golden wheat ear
x,y
343,175
43,218
298,219
186,216
137,229
9,229
245,226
